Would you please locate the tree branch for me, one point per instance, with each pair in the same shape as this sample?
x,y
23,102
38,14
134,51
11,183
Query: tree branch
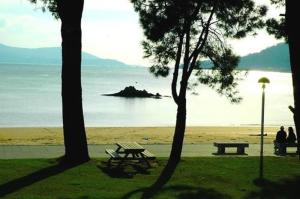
x,y
199,49
187,30
217,35
176,68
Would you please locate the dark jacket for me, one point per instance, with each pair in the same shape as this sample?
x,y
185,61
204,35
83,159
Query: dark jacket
x,y
281,136
291,138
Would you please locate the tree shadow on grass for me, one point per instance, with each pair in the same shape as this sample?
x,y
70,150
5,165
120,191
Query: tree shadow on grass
x,y
19,183
180,192
290,154
285,189
128,170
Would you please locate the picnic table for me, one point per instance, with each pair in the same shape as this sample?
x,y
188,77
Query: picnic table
x,y
129,152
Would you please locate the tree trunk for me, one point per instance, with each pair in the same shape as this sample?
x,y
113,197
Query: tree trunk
x,y
176,150
294,47
70,13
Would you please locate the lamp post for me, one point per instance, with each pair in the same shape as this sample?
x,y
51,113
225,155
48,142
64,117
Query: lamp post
x,y
263,81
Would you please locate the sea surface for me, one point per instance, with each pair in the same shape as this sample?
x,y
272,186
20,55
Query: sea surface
x,y
30,96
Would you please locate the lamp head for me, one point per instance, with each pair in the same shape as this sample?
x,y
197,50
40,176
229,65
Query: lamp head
x,y
264,81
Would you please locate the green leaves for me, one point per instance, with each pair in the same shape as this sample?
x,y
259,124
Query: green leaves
x,y
278,2
158,70
277,28
158,17
222,75
237,18
50,5
162,53
202,26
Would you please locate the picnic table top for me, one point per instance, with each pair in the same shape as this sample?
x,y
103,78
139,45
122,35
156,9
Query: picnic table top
x,y
131,146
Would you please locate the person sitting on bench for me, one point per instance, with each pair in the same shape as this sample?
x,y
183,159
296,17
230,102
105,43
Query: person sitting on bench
x,y
281,136
280,141
291,136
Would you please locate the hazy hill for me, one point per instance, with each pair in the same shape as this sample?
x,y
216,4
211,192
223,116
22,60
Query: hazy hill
x,y
275,58
14,55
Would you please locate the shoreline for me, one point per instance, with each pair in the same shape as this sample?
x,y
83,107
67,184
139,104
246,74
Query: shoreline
x,y
142,135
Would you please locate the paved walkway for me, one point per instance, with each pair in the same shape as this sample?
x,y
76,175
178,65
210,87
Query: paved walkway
x,y
96,151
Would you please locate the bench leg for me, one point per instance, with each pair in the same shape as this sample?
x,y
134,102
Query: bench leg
x,y
221,150
240,150
144,159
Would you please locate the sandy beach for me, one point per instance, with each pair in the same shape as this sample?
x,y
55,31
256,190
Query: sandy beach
x,y
143,135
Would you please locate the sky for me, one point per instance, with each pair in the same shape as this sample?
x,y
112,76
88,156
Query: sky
x,y
110,29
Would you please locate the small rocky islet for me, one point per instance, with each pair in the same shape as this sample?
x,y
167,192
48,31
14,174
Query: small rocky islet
x,y
131,92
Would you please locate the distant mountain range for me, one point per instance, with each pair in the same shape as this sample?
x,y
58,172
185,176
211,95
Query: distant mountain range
x,y
275,58
48,56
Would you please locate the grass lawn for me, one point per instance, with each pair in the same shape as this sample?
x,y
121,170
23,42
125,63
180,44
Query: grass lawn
x,y
203,177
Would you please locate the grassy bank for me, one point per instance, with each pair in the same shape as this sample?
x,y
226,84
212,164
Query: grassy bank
x,y
217,178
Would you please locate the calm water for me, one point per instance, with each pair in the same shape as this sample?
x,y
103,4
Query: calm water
x,y
30,96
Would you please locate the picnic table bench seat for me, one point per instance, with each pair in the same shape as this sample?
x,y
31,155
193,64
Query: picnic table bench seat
x,y
239,145
113,154
147,154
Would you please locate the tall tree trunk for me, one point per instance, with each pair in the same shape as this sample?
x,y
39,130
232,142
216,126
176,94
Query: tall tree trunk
x,y
70,13
177,144
293,33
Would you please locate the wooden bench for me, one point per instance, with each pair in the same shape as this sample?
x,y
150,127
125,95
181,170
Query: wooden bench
x,y
280,148
222,145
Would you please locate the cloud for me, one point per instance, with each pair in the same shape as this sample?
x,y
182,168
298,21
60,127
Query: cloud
x,y
110,29
2,23
115,40
111,5
29,31
252,44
